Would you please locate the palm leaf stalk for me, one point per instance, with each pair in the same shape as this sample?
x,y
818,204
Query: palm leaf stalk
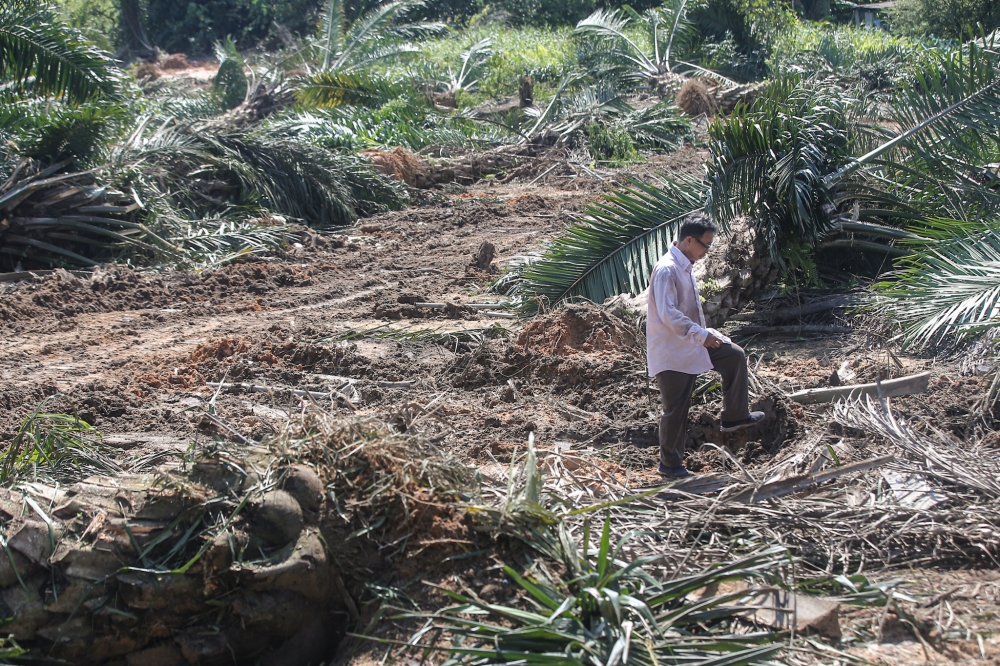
x,y
613,249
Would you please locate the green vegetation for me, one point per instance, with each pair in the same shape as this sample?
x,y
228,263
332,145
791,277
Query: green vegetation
x,y
54,445
818,156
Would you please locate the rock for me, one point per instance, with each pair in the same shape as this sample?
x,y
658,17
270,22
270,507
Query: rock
x,y
80,561
70,597
277,613
219,555
34,540
278,518
303,483
305,571
781,609
178,594
484,256
199,645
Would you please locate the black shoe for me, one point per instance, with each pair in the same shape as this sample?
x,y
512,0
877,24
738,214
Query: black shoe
x,y
752,420
674,472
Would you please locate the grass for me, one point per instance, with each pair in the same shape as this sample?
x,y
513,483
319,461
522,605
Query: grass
x,y
545,54
54,444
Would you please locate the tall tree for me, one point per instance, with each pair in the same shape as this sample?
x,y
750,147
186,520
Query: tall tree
x,y
137,45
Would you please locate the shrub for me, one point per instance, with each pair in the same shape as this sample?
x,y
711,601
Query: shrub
x,y
547,12
611,143
944,18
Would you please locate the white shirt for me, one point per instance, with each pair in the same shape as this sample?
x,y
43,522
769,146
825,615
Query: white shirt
x,y
675,322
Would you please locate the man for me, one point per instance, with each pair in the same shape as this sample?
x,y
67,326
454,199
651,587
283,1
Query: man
x,y
679,347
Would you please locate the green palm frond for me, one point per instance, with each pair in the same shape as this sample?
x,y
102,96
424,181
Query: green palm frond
x,y
613,249
372,37
618,50
769,162
41,54
331,88
51,130
661,126
948,289
950,108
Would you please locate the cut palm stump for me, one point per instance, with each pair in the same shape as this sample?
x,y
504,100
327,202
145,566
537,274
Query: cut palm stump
x,y
890,388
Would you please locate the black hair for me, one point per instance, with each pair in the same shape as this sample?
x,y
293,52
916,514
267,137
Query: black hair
x,y
696,226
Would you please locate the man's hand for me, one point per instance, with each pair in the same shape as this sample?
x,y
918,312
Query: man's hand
x,y
712,341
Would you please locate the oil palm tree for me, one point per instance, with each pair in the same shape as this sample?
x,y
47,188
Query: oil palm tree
x,y
785,165
668,31
346,51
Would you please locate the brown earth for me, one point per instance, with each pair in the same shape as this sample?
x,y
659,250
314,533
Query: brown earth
x,y
132,351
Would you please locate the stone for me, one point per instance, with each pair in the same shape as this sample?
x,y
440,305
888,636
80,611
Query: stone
x,y
199,645
305,571
277,613
91,563
278,518
808,613
303,483
178,593
34,540
69,598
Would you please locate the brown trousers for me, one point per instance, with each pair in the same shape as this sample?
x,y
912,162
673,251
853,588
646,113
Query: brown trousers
x,y
730,361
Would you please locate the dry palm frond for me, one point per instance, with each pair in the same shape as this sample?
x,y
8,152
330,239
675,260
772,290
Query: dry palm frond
x,y
943,458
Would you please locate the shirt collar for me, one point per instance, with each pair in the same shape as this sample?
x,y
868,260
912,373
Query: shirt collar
x,y
682,261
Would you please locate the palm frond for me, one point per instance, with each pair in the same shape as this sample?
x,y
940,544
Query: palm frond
x,y
948,289
613,249
333,31
769,162
609,27
39,51
332,88
660,126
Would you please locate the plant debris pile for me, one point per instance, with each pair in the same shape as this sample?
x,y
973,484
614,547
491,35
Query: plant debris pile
x,y
220,559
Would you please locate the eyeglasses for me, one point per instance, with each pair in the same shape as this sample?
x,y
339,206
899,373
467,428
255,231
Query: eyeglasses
x,y
698,241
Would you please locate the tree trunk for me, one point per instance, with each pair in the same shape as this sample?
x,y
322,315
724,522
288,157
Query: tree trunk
x,y
137,45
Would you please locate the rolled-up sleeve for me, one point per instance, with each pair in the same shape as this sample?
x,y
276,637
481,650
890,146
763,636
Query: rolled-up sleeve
x,y
665,292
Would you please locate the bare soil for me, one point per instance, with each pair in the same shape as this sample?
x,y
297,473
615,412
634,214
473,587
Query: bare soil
x,y
133,352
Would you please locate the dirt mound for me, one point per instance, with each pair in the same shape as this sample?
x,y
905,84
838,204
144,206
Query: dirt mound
x,y
751,446
694,98
174,61
577,329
